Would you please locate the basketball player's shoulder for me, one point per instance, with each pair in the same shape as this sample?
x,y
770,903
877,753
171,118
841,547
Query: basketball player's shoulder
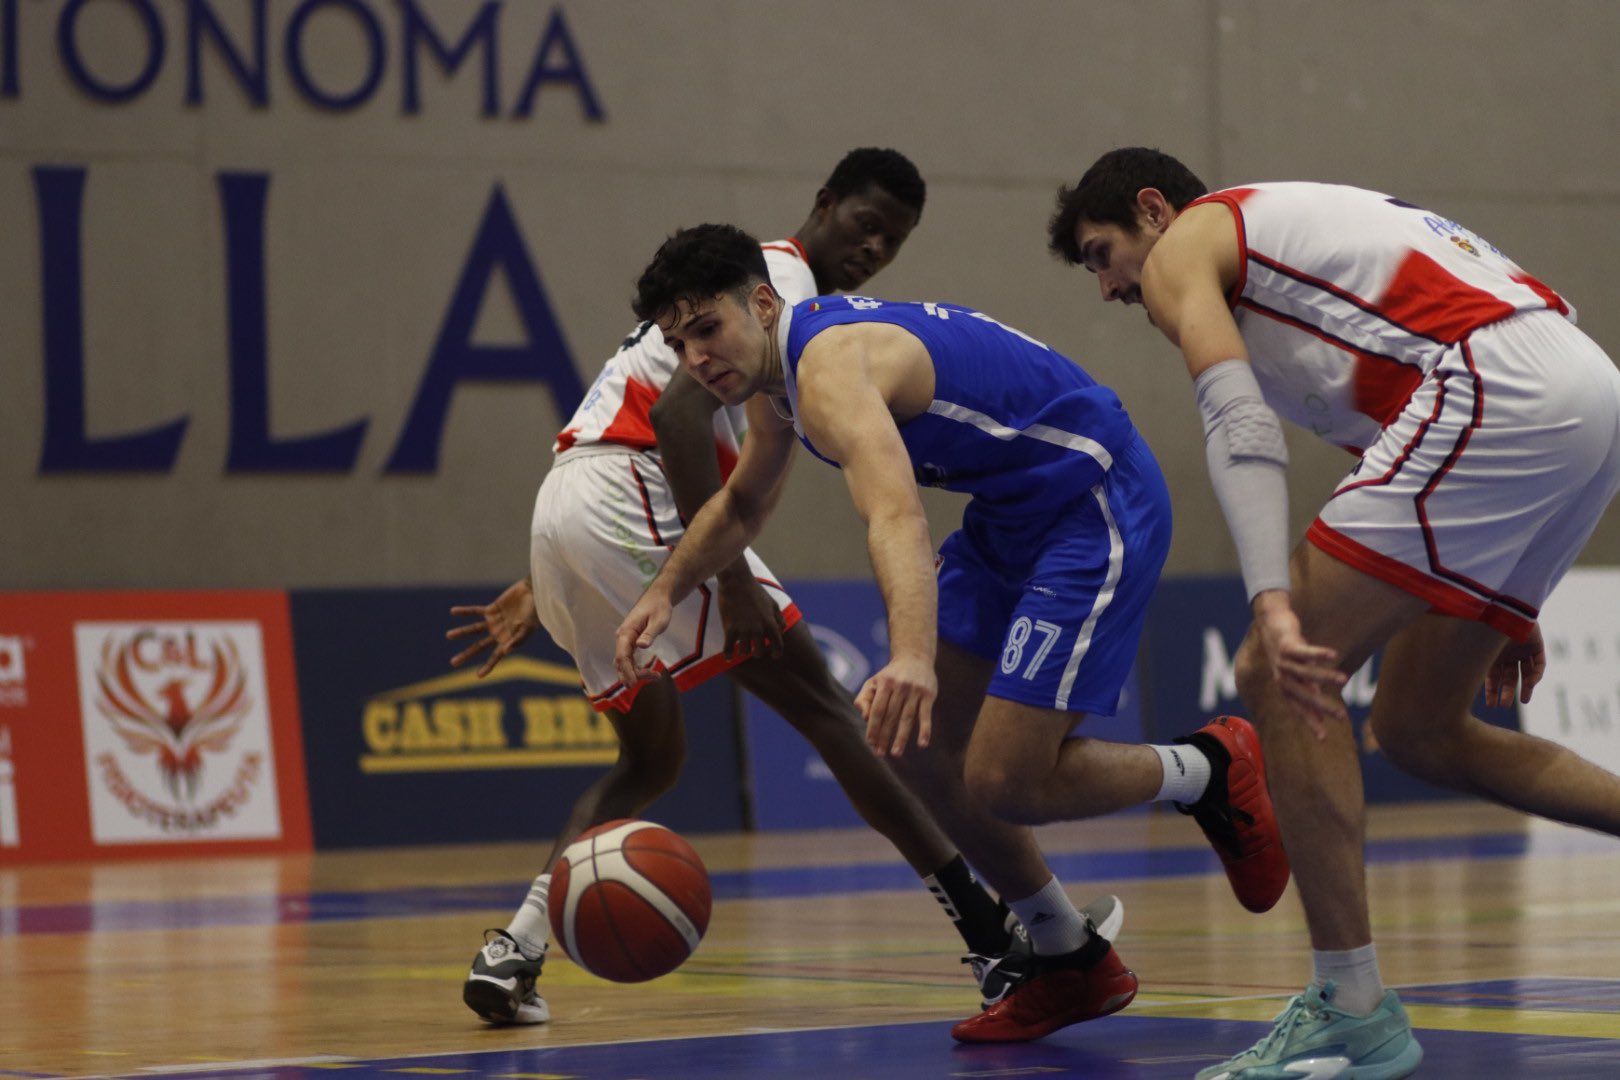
x,y
1202,235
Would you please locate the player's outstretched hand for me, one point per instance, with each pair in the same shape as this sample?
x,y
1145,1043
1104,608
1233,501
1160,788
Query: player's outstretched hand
x,y
1517,670
637,633
753,623
505,624
897,701
1307,674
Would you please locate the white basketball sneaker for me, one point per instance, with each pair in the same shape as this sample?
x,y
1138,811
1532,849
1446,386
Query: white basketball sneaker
x,y
500,986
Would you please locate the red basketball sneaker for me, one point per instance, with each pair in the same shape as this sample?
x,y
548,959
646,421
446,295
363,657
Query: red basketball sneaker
x,y
1235,812
1061,991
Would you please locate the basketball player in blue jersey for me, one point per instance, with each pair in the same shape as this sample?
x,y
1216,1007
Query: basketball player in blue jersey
x,y
639,456
1034,616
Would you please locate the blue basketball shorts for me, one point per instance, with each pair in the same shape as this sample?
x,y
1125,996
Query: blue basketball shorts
x,y
1058,600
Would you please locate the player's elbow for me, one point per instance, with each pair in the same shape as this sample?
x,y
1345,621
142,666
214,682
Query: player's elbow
x,y
674,415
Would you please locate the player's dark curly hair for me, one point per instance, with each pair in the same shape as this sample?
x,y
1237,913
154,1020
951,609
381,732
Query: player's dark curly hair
x,y
1106,194
888,169
695,264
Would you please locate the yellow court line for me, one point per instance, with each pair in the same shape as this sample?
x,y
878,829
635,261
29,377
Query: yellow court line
x,y
1591,1025
1595,1025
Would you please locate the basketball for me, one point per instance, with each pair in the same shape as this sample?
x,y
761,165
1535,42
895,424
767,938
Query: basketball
x,y
629,901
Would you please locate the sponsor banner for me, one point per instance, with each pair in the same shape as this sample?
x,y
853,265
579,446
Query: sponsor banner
x,y
148,723
1578,702
403,749
792,786
1195,626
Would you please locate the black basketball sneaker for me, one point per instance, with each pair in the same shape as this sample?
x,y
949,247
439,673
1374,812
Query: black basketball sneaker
x,y
500,986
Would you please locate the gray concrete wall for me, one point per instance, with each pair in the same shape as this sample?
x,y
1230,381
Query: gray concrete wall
x,y
1500,114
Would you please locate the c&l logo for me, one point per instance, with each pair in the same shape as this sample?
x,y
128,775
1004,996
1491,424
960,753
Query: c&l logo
x,y
176,731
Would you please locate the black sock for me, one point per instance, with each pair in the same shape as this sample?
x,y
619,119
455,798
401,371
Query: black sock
x,y
977,917
1084,958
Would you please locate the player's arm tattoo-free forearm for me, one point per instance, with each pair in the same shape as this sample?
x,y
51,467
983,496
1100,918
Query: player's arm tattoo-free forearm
x,y
1248,463
716,537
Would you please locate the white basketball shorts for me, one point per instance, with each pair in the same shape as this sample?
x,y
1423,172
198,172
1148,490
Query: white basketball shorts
x,y
604,522
1481,493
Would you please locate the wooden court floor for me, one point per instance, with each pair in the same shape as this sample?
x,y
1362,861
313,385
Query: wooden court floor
x,y
824,958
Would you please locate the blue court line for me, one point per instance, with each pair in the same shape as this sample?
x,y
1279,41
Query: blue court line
x,y
768,883
1122,1047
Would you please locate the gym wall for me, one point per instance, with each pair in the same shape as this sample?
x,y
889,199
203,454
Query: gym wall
x,y
297,292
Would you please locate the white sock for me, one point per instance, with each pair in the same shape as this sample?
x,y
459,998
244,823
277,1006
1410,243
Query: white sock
x,y
530,927
1186,773
1354,972
1055,926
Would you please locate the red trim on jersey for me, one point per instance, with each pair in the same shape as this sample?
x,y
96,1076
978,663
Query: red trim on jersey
x,y
792,246
565,440
1384,386
1381,384
1233,199
720,662
1406,451
1443,598
1435,303
1553,300
620,697
1343,294
703,590
632,424
1475,422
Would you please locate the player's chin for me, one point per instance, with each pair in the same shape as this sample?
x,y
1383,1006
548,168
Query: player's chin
x,y
853,276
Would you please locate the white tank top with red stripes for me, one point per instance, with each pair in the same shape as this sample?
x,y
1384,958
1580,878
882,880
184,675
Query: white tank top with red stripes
x,y
1347,298
616,407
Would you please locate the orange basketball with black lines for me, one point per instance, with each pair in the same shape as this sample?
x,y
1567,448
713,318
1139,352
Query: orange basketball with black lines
x,y
630,900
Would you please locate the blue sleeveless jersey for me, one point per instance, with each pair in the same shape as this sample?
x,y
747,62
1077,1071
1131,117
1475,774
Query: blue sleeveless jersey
x,y
1018,426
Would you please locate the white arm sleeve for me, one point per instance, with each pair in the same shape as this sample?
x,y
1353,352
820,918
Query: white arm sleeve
x,y
1248,467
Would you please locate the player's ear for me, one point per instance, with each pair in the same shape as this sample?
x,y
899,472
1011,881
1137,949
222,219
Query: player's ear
x,y
1153,209
825,201
762,301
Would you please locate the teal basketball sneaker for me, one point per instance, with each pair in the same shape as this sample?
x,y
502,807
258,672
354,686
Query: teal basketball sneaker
x,y
1313,1040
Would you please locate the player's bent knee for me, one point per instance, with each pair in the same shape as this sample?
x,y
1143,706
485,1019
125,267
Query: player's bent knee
x,y
1410,743
997,787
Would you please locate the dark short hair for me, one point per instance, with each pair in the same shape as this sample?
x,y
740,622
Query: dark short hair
x,y
1106,194
888,169
696,264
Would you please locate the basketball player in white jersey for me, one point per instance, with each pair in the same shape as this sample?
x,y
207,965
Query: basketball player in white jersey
x,y
639,457
1488,429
